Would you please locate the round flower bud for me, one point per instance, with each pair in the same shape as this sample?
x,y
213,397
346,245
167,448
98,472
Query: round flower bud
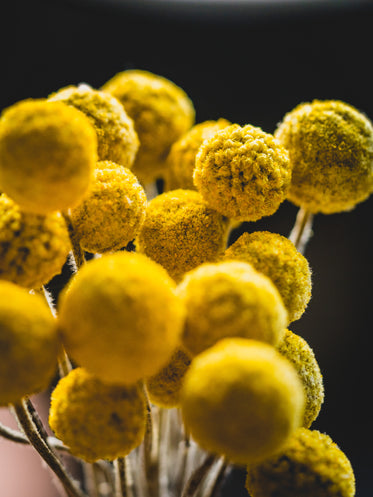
x,y
300,354
276,257
96,420
230,299
29,343
182,157
117,140
243,172
33,247
330,145
310,464
48,151
161,112
120,317
181,231
242,399
112,213
164,387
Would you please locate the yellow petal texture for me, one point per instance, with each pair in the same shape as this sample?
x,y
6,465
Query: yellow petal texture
x,y
310,465
330,145
242,399
48,151
29,343
96,420
230,299
120,317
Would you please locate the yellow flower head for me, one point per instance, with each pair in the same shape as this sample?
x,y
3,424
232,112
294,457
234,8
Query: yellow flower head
x,y
116,135
111,214
48,151
33,247
120,317
243,172
230,299
330,146
96,420
29,343
242,399
161,112
276,257
310,465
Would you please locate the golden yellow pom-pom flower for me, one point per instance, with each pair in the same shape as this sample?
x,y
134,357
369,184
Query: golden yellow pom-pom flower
x,y
277,257
48,151
112,213
120,317
29,343
116,135
96,420
310,465
243,172
330,146
230,299
33,247
161,112
242,399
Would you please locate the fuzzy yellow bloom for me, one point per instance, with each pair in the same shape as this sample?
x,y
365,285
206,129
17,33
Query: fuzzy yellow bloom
x,y
120,317
310,465
181,231
48,151
300,354
242,399
330,146
182,157
112,213
243,172
29,343
276,257
161,112
96,420
116,135
230,299
33,247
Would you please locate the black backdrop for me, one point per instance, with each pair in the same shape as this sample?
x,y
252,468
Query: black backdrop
x,y
249,65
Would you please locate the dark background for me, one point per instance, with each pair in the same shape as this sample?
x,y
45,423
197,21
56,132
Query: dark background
x,y
248,65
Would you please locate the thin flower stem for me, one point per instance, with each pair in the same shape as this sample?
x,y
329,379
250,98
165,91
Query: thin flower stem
x,y
120,477
198,476
214,485
302,230
151,452
13,435
77,250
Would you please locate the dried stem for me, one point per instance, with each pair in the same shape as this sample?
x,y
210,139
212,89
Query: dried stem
x,y
120,477
151,452
78,253
302,230
198,476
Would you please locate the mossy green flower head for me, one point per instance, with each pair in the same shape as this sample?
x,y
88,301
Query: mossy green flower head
x,y
48,152
29,343
96,420
242,399
243,172
230,299
120,317
330,146
310,465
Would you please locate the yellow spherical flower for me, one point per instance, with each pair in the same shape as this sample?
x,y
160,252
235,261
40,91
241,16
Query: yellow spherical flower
x,y
277,257
29,343
164,387
330,146
182,157
242,399
48,151
243,172
120,317
230,299
33,247
161,112
300,354
111,214
310,465
181,231
96,420
116,135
